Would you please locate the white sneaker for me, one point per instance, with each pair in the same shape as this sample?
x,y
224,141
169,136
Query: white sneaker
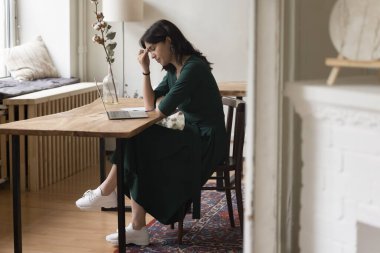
x,y
138,237
92,200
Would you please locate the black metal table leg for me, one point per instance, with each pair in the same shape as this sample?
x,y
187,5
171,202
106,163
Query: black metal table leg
x,y
102,159
17,235
120,194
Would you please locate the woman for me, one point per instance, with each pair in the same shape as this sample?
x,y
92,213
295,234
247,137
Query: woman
x,y
164,167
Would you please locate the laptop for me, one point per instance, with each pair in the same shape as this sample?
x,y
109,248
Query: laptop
x,y
120,114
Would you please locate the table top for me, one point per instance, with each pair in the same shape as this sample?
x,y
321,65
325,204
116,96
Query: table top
x,y
86,121
233,88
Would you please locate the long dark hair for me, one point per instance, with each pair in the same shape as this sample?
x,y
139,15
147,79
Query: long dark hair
x,y
180,45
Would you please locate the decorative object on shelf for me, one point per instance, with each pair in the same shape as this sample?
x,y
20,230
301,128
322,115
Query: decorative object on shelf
x,y
105,40
123,11
355,34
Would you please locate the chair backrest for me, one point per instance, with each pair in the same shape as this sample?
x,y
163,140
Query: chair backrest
x,y
236,115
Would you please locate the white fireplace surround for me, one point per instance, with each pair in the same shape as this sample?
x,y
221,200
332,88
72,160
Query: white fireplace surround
x,y
340,163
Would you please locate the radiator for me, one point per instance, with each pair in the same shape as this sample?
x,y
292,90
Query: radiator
x,y
49,159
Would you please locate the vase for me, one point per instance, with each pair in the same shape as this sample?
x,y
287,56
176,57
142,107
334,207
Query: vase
x,y
109,88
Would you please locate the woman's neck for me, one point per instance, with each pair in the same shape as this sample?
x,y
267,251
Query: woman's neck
x,y
178,66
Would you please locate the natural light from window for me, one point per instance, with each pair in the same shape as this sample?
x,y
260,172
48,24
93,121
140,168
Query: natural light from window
x,y
3,35
7,24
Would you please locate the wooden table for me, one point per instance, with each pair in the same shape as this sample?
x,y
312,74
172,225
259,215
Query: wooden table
x,y
86,121
234,89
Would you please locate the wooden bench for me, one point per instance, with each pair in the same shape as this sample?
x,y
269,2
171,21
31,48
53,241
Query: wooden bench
x,y
46,160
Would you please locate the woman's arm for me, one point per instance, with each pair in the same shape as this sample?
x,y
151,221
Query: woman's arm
x,y
184,88
148,93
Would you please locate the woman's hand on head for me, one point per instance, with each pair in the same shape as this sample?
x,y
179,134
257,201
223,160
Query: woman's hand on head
x,y
144,60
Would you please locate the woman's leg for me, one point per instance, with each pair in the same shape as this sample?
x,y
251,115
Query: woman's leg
x,y
138,215
138,212
136,232
109,184
103,196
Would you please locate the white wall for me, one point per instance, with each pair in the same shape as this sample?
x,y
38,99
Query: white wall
x,y
52,20
218,29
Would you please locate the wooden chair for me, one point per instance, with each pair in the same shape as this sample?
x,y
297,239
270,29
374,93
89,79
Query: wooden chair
x,y
224,179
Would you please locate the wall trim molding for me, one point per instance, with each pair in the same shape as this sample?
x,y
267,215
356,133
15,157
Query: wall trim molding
x,y
267,139
350,104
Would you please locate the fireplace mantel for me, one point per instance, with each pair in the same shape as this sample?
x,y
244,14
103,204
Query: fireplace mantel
x,y
340,145
352,101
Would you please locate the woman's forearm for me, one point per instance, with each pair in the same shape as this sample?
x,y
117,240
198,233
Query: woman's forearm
x,y
148,93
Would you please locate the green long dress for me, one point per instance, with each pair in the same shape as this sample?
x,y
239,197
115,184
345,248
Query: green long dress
x,y
164,167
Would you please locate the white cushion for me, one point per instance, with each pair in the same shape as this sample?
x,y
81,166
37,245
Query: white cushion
x,y
174,121
30,61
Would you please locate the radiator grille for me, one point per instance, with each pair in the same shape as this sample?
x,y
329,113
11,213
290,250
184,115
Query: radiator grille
x,y
49,159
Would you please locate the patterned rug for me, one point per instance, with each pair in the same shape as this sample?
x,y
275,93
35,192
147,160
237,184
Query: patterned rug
x,y
212,233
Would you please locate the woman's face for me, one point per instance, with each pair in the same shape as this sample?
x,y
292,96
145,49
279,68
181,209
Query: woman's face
x,y
161,51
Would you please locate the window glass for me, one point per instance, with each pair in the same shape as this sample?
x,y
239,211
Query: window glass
x,y
2,35
7,25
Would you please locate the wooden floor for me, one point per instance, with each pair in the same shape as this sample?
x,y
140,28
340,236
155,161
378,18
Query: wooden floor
x,y
51,223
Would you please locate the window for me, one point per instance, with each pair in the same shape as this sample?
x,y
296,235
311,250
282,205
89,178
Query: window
x,y
7,29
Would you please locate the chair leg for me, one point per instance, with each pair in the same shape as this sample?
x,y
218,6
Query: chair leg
x,y
185,208
180,231
239,201
219,181
227,184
